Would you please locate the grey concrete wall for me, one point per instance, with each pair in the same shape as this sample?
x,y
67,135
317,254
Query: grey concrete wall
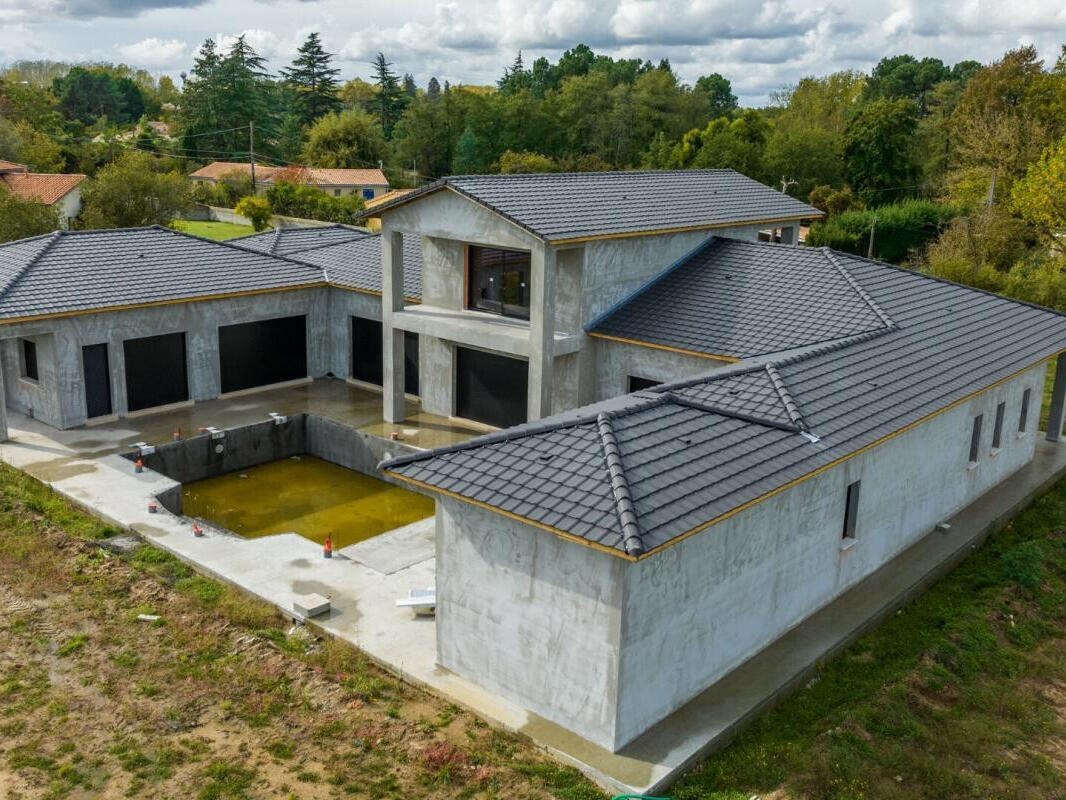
x,y
530,616
200,457
40,398
615,361
614,268
696,610
199,321
436,375
343,305
339,444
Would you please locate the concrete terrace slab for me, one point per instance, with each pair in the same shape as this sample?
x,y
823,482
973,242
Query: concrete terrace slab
x,y
398,549
281,568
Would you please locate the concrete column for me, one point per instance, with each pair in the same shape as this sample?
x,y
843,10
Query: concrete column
x,y
1058,401
788,235
542,331
3,405
391,338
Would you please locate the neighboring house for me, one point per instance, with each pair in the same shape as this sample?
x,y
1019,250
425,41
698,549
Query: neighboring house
x,y
367,183
53,189
517,265
374,223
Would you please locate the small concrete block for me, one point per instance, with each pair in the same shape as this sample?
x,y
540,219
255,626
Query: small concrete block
x,y
310,605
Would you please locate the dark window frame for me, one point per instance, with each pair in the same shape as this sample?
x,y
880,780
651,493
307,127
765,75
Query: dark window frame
x,y
997,427
1023,418
851,512
975,438
30,369
483,261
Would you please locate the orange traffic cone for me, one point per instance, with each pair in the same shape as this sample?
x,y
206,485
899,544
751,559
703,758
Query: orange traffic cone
x,y
327,548
197,530
153,506
177,435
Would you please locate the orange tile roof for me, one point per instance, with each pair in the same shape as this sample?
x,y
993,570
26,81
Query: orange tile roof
x,y
11,166
388,197
313,176
45,188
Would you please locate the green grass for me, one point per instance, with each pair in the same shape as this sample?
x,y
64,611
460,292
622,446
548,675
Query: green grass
x,y
219,231
944,700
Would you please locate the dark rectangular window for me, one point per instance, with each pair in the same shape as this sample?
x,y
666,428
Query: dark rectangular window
x,y
1023,419
366,350
975,438
851,510
498,281
997,430
263,352
29,360
636,384
410,363
490,388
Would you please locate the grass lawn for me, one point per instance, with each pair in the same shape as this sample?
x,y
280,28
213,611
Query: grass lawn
x,y
962,694
218,698
220,231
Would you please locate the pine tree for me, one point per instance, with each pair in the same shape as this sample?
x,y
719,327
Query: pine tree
x,y
390,100
433,89
515,77
313,81
467,158
409,87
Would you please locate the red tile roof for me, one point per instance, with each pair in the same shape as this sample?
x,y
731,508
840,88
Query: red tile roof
x,y
45,188
11,166
313,176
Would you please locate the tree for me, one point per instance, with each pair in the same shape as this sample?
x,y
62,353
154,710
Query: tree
x,y
256,209
906,76
357,93
719,92
390,101
313,81
878,147
467,159
131,193
1040,197
433,89
512,162
515,78
22,218
344,140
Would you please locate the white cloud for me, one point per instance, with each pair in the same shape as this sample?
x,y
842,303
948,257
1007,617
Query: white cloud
x,y
154,52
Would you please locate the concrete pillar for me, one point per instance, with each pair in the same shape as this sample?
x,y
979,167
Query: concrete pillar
x,y
392,388
1058,401
3,405
542,331
788,235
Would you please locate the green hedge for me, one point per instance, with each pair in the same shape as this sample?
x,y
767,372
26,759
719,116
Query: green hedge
x,y
901,228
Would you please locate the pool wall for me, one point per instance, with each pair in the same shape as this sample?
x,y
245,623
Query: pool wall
x,y
204,456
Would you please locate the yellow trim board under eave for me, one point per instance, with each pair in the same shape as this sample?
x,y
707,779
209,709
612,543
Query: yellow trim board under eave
x,y
510,515
668,348
743,507
157,303
683,229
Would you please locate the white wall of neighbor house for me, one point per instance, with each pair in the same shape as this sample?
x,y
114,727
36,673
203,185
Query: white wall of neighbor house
x,y
695,611
529,615
59,398
608,647
69,206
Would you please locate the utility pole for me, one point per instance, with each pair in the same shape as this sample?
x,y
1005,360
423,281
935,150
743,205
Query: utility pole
x,y
873,227
251,151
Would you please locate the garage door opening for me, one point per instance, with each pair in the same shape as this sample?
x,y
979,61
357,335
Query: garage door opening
x,y
490,388
367,354
261,353
156,372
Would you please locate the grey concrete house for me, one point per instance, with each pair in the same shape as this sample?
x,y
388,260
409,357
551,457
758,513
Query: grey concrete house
x,y
516,266
102,324
604,566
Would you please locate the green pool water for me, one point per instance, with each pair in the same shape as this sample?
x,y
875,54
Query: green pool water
x,y
306,495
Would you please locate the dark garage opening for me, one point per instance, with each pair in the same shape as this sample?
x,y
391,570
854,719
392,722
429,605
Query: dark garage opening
x,y
97,380
155,371
367,354
490,388
263,352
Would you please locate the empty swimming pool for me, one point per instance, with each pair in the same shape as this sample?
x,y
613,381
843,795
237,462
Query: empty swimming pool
x,y
305,495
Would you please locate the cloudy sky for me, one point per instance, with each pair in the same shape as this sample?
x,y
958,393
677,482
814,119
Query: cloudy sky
x,y
760,45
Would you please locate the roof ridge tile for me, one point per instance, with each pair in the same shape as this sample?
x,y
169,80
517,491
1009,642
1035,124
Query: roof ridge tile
x,y
632,541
